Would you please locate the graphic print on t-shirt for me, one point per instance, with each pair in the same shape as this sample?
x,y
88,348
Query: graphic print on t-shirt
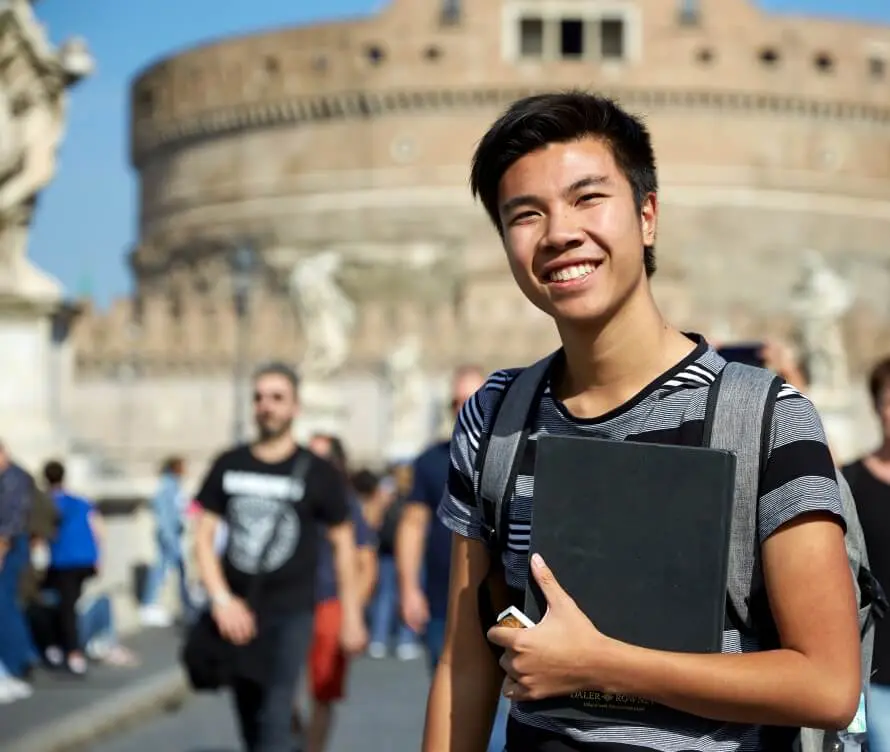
x,y
257,501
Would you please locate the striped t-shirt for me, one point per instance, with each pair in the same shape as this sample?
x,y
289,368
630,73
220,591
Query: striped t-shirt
x,y
798,477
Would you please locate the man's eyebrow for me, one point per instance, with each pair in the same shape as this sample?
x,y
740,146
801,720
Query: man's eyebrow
x,y
588,181
516,201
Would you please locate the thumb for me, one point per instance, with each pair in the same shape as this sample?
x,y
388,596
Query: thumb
x,y
543,575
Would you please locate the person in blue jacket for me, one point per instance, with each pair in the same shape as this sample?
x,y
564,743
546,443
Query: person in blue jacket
x,y
74,558
168,507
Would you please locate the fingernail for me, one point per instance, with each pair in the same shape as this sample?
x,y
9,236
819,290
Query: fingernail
x,y
537,561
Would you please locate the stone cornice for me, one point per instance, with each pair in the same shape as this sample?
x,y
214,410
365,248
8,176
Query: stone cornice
x,y
148,137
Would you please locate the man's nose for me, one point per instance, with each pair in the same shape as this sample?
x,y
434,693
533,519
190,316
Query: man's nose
x,y
563,231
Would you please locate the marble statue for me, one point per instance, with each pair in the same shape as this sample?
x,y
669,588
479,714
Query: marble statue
x,y
32,121
327,315
820,300
409,398
34,80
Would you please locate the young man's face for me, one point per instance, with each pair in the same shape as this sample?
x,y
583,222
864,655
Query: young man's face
x,y
573,235
274,405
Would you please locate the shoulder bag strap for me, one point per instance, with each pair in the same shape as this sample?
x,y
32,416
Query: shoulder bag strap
x,y
738,418
505,444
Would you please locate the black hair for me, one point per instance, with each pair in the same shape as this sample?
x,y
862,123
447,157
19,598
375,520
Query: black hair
x,y
278,368
54,472
365,482
533,122
172,464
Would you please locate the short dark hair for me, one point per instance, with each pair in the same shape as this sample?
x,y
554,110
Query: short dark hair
x,y
879,379
172,464
278,368
533,122
365,482
54,472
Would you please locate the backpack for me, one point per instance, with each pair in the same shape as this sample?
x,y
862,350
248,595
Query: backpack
x,y
738,417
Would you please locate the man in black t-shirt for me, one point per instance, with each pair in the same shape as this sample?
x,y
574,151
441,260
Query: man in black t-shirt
x,y
251,488
869,479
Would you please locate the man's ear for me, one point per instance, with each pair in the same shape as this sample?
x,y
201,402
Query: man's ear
x,y
649,219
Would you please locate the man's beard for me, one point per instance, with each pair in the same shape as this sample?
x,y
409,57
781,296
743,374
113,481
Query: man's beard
x,y
267,431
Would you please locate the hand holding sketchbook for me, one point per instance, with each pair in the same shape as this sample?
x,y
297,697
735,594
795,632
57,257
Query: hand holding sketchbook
x,y
638,534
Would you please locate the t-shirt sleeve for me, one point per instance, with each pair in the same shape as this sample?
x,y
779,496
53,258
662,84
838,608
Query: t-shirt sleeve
x,y
458,508
364,536
211,495
799,475
332,495
422,491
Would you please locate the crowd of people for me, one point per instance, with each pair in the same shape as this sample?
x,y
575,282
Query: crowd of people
x,y
51,543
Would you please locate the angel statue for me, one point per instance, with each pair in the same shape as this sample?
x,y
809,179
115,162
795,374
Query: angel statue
x,y
327,315
820,301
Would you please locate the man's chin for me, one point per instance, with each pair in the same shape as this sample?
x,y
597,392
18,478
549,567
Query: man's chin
x,y
267,433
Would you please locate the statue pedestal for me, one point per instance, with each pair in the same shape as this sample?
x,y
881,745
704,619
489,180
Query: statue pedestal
x,y
28,426
322,410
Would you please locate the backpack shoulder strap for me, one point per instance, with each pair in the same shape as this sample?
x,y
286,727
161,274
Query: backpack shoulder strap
x,y
738,417
500,450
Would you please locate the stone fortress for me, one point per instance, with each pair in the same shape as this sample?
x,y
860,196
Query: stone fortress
x,y
340,154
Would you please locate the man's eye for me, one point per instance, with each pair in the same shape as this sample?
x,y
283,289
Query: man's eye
x,y
522,216
587,197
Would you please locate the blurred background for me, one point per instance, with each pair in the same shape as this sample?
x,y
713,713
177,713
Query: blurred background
x,y
189,189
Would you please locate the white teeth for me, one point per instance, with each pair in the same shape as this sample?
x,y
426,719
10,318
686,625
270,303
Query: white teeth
x,y
571,272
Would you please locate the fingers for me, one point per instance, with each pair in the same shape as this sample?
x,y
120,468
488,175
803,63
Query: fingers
x,y
238,627
516,692
543,575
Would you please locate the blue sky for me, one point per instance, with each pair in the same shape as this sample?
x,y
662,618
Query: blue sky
x,y
86,220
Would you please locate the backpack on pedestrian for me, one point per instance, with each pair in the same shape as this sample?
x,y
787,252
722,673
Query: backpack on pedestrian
x,y
738,417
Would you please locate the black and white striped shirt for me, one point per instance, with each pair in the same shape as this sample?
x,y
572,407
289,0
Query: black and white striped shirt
x,y
798,477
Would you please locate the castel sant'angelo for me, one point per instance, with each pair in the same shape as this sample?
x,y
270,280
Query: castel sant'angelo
x,y
773,139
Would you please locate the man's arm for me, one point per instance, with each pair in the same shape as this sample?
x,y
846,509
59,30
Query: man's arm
x,y
367,565
209,566
464,693
233,617
410,544
353,632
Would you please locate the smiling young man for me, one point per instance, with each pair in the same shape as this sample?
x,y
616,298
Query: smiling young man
x,y
569,182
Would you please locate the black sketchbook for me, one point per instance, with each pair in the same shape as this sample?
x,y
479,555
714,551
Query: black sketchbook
x,y
638,534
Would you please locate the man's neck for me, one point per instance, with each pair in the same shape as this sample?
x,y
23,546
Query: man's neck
x,y
275,449
606,366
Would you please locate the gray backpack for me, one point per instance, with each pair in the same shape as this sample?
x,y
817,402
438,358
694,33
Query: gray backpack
x,y
738,417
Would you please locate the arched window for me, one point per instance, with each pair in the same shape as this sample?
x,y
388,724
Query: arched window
x,y
690,12
450,12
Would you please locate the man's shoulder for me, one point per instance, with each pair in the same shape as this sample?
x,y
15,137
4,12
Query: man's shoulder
x,y
233,455
476,411
432,456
